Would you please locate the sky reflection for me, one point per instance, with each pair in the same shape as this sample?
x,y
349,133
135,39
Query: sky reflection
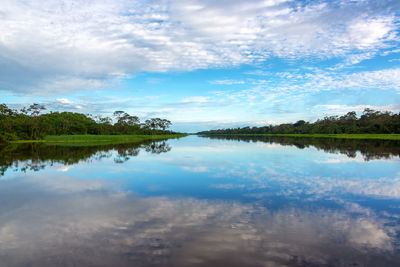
x,y
203,202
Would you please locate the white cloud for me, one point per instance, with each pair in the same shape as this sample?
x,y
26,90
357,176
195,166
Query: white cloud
x,y
227,82
67,45
286,87
195,168
228,186
319,80
196,99
369,32
342,109
64,101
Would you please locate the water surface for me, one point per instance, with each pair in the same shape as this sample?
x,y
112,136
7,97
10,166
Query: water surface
x,y
200,201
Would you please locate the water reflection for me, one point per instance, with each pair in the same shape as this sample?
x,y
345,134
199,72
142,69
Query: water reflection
x,y
93,226
205,202
370,149
36,156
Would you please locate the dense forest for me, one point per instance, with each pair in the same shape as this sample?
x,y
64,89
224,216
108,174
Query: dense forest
x,y
33,123
371,121
369,149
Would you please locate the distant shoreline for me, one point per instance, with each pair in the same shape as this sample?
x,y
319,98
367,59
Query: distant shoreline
x,y
101,139
337,136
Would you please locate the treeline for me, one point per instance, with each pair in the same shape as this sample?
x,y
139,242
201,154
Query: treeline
x,y
31,123
369,149
371,121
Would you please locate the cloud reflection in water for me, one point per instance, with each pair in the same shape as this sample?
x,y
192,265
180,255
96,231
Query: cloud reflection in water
x,y
88,224
204,202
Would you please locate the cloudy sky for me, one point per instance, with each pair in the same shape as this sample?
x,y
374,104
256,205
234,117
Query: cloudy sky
x,y
202,64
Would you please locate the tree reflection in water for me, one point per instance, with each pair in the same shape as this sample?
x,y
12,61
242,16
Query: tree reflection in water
x,y
205,203
36,156
369,149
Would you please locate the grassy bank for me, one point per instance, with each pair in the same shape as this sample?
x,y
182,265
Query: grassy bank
x,y
339,136
99,139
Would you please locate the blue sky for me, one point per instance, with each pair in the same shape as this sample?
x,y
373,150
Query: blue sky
x,y
202,64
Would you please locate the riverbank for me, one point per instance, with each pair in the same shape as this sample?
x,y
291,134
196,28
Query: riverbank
x,y
338,136
99,139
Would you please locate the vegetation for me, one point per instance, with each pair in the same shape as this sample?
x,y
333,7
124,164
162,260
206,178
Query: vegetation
x,y
83,140
369,149
32,124
383,125
35,156
337,136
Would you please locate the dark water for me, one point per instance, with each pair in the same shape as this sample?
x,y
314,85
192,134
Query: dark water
x,y
202,202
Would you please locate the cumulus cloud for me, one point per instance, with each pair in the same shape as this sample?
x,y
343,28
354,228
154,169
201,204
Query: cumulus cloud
x,y
67,104
64,45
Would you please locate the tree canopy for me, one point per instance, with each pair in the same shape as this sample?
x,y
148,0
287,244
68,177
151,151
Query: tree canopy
x,y
371,121
32,123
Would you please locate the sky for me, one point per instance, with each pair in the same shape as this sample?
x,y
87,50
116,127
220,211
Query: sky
x,y
202,64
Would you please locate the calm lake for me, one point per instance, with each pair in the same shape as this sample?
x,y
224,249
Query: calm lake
x,y
199,201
